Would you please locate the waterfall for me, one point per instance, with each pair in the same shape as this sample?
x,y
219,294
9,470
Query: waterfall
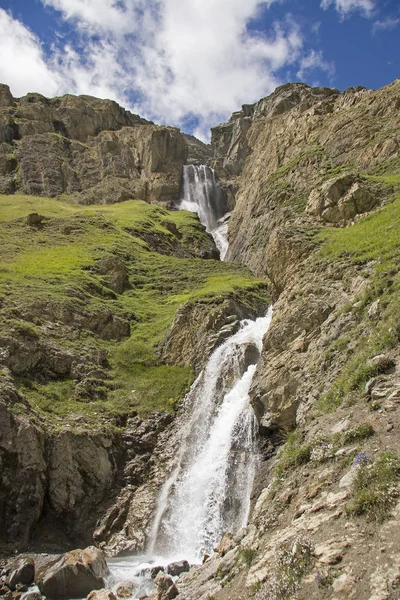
x,y
208,491
202,193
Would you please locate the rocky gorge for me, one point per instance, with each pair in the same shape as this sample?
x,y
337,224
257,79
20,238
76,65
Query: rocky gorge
x,y
111,305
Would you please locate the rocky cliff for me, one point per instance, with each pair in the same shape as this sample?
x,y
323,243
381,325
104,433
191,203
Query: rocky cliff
x,y
99,334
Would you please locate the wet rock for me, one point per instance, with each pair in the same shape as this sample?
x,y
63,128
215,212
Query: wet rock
x,y
32,594
73,575
103,595
154,571
166,589
177,568
22,572
125,589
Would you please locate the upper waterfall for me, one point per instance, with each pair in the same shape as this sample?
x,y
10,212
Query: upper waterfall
x,y
203,194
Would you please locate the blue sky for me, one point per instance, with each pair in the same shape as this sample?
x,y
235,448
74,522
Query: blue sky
x,y
191,63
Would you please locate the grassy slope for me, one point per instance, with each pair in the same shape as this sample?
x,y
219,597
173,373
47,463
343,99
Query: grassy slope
x,y
373,241
53,265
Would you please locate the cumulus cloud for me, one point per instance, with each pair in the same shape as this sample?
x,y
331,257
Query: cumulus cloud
x,y
345,7
174,62
314,61
22,64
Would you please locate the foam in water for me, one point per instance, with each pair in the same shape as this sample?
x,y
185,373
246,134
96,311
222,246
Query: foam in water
x,y
203,194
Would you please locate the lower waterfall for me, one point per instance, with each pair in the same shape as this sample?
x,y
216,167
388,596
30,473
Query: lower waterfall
x,y
208,490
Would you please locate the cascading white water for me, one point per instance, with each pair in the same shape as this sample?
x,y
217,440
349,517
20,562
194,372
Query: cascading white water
x,y
203,194
208,491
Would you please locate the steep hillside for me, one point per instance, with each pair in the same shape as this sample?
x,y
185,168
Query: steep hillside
x,y
87,297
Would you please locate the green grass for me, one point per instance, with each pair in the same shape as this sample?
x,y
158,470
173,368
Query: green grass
x,y
294,454
359,433
48,274
375,488
374,240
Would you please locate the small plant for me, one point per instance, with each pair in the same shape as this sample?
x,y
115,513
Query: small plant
x,y
322,451
355,434
247,555
294,454
292,562
375,487
323,579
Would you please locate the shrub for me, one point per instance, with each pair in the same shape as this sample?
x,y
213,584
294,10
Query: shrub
x,y
247,555
355,434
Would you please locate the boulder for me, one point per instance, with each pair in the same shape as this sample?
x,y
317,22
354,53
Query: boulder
x,y
115,272
73,575
177,568
341,199
21,572
103,595
125,589
166,589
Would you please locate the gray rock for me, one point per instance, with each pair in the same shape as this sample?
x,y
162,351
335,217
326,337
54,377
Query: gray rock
x,y
166,589
73,575
176,568
23,572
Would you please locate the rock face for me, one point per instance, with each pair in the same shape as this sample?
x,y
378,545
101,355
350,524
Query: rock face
x,y
295,160
73,575
87,147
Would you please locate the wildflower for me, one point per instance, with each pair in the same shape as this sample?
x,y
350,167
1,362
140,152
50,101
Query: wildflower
x,y
361,459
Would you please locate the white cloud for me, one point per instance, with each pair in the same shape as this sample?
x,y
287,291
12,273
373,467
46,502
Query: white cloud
x,y
387,24
22,64
315,61
345,7
169,60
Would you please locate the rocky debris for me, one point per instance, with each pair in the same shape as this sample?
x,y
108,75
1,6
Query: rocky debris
x,y
177,568
73,575
166,589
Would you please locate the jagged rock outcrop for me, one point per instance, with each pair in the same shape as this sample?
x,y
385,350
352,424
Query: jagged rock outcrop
x,y
88,147
199,327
